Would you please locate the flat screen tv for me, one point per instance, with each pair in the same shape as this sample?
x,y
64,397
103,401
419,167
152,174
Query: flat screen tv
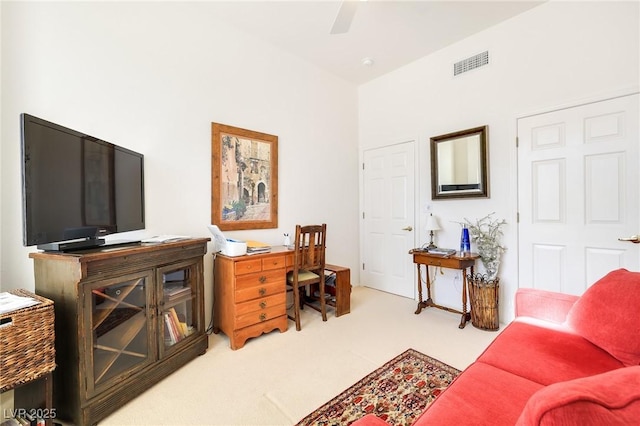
x,y
76,188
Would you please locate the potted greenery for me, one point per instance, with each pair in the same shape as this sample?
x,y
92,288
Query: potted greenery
x,y
486,233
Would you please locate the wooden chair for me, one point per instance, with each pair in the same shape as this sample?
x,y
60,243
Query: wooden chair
x,y
309,261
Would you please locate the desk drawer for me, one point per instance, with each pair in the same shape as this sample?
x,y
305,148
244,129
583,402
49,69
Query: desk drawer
x,y
262,315
249,293
444,262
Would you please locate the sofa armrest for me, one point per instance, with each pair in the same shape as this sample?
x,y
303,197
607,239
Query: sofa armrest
x,y
543,304
611,398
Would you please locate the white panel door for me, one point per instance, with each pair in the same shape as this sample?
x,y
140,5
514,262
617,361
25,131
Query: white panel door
x,y
388,180
579,191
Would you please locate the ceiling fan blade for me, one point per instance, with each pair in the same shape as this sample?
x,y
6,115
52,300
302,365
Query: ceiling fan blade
x,y
344,17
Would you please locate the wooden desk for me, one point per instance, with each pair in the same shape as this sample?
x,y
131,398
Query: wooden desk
x,y
456,261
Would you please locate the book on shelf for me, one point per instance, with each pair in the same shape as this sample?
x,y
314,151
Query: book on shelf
x,y
174,289
175,327
180,325
168,338
169,330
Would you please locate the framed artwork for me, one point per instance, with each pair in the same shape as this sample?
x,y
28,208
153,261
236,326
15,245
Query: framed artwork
x,y
244,178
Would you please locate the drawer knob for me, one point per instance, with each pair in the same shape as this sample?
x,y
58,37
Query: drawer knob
x,y
262,279
262,291
263,317
263,304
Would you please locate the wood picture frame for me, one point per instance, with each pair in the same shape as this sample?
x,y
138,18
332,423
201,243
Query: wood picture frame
x,y
244,178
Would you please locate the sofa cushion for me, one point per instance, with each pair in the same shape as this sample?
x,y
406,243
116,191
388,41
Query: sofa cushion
x,y
611,398
546,355
480,394
607,313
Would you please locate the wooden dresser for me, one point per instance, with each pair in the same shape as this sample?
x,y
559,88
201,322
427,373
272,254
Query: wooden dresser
x,y
250,294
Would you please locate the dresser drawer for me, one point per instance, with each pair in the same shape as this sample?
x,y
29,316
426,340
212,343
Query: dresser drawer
x,y
248,266
274,262
262,315
290,260
260,304
259,279
249,293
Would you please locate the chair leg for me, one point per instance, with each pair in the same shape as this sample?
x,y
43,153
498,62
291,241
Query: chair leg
x,y
296,306
323,299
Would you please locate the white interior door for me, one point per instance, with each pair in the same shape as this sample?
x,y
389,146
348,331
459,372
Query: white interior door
x,y
388,179
579,191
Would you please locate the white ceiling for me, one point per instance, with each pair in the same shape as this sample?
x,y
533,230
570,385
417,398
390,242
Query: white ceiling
x,y
391,32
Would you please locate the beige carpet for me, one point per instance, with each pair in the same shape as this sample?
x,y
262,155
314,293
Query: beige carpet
x,y
270,381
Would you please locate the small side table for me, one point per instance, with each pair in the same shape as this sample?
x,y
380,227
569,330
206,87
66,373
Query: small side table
x,y
343,288
454,261
27,357
24,396
341,292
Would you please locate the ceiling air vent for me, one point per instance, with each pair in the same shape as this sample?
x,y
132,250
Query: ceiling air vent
x,y
471,63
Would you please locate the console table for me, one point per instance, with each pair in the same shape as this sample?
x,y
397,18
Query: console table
x,y
128,315
455,261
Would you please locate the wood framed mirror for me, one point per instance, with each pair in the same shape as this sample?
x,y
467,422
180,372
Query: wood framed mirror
x,y
459,164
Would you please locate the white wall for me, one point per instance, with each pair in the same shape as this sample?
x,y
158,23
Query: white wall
x,y
557,54
152,77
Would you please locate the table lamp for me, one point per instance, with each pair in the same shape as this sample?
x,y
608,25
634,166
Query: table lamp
x,y
432,225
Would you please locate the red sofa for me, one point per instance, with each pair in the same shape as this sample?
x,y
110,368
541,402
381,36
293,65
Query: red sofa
x,y
565,360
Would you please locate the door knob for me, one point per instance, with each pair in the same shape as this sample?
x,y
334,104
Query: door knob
x,y
633,239
408,228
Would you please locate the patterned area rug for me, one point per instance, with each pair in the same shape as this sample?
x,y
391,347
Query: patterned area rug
x,y
397,392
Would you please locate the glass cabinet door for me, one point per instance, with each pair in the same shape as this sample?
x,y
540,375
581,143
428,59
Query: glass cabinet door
x,y
178,309
120,334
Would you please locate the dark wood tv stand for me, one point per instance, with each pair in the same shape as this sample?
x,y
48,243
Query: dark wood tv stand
x,y
130,315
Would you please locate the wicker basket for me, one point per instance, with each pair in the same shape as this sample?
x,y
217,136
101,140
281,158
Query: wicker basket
x,y
27,344
483,296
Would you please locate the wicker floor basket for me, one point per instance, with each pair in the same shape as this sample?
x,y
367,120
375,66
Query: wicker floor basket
x,y
27,344
483,296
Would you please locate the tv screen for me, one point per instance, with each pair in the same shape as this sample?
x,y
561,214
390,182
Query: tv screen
x,y
77,187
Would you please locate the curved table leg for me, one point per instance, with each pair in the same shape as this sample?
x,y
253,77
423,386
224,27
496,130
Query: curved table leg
x,y
466,316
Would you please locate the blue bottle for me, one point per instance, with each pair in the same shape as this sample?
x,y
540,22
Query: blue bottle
x,y
465,242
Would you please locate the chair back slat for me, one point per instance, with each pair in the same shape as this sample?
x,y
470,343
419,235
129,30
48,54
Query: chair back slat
x,y
309,251
310,247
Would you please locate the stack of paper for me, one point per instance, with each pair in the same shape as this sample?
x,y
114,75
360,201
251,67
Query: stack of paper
x,y
254,247
11,302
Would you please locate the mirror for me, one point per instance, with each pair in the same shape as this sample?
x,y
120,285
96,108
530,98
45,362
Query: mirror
x,y
459,164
